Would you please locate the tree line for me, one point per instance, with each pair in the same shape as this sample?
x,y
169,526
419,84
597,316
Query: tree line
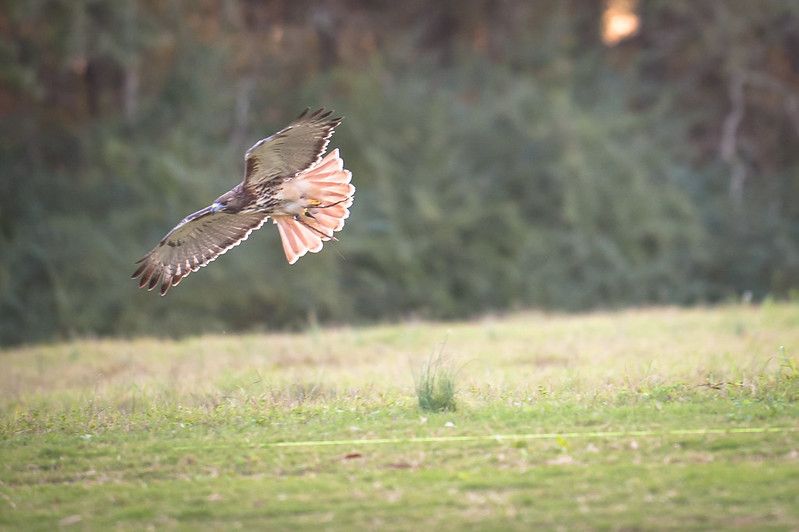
x,y
504,155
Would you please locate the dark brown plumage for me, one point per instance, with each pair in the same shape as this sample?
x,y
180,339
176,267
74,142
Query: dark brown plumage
x,y
285,179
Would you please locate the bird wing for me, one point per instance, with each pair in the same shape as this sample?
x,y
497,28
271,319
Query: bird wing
x,y
197,240
291,150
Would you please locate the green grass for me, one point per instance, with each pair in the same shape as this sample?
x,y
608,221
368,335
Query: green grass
x,y
197,433
436,385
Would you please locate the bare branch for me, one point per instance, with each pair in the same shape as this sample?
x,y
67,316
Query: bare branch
x,y
728,147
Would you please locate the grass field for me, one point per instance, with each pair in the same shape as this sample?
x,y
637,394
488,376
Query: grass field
x,y
636,419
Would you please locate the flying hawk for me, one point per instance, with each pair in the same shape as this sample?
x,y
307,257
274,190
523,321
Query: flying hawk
x,y
286,179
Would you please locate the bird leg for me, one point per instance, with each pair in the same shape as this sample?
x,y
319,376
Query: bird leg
x,y
320,206
308,213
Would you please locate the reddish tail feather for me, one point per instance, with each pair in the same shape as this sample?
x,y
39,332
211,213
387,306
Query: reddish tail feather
x,y
329,193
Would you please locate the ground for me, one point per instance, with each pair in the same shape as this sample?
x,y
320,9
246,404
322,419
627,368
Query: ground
x,y
655,418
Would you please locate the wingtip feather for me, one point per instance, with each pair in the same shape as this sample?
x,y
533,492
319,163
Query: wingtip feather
x,y
138,271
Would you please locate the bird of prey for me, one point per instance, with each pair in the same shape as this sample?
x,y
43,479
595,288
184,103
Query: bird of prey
x,y
287,179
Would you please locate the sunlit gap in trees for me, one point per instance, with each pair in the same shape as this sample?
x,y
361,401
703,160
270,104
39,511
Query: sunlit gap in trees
x,y
619,21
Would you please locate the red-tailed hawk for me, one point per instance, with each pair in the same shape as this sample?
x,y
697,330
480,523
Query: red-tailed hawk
x,y
286,179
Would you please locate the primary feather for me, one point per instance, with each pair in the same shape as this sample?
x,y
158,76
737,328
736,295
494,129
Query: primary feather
x,y
286,178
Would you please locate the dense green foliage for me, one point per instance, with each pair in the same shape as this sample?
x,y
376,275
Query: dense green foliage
x,y
504,157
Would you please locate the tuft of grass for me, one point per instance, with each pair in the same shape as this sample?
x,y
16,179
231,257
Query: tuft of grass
x,y
789,366
435,385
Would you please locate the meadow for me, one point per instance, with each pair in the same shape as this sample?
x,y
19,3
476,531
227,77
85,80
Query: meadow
x,y
647,418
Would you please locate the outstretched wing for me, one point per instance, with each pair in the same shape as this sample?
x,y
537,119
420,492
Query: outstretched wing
x,y
291,150
194,242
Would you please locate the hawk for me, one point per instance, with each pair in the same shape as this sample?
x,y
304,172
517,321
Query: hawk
x,y
287,179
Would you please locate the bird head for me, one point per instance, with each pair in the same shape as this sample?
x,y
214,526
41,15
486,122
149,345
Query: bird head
x,y
223,202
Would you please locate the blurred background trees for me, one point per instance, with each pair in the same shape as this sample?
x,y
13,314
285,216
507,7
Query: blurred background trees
x,y
560,154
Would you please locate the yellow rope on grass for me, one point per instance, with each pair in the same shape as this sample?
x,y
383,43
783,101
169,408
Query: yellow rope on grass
x,y
531,436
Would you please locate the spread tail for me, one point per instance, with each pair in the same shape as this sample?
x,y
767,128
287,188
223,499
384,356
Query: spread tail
x,y
326,190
